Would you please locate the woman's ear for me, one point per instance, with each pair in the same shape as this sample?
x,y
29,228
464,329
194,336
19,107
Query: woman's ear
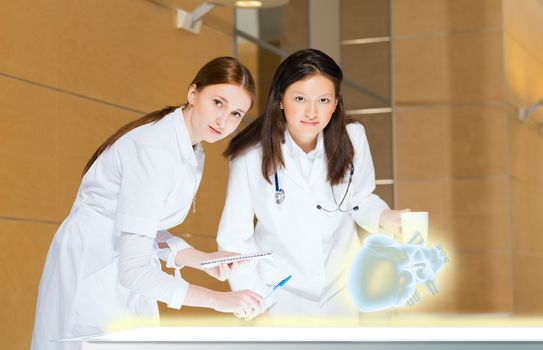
x,y
192,94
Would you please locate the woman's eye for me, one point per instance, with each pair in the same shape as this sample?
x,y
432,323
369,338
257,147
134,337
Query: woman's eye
x,y
299,99
325,100
236,114
217,103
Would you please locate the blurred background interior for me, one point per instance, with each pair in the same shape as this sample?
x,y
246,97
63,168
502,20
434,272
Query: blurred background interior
x,y
443,88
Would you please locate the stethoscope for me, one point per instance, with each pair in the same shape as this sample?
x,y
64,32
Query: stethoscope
x,y
280,195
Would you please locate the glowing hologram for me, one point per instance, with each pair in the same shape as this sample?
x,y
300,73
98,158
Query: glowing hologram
x,y
385,273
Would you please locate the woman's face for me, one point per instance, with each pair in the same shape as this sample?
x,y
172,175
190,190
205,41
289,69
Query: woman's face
x,y
308,106
217,110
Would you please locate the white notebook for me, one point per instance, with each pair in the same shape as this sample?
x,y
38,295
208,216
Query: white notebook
x,y
230,259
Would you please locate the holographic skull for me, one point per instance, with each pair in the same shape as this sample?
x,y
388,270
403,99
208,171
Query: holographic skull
x,y
385,273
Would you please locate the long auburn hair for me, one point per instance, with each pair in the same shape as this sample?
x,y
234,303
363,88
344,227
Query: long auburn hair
x,y
268,129
221,70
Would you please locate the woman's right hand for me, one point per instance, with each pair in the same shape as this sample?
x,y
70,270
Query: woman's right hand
x,y
391,221
243,303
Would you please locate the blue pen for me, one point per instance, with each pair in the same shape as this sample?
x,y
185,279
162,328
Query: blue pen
x,y
280,284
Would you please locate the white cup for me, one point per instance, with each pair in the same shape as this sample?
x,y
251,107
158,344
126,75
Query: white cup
x,y
412,222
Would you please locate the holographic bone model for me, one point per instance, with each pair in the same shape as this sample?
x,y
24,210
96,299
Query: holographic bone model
x,y
385,273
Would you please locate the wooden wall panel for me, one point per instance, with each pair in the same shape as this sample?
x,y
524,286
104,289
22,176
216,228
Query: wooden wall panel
x,y
428,17
467,214
444,141
125,52
367,66
522,19
295,27
28,157
29,33
132,53
364,19
476,140
523,71
379,133
386,193
526,218
528,288
421,146
356,99
479,214
525,150
461,68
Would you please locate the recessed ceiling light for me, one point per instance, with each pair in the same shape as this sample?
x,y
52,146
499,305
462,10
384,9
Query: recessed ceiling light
x,y
248,4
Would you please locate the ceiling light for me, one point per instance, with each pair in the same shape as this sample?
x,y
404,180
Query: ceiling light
x,y
248,4
192,21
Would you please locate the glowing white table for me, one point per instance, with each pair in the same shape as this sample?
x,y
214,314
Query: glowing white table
x,y
380,338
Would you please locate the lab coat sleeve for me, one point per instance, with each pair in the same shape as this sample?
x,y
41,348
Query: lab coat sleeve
x,y
370,206
137,273
146,180
175,245
236,228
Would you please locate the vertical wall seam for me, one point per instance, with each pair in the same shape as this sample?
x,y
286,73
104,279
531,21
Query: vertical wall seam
x,y
507,162
393,107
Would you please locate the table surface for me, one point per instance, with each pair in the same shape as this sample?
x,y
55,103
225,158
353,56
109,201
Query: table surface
x,y
317,334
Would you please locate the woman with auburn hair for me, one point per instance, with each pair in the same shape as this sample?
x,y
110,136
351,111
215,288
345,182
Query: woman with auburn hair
x,y
305,170
103,265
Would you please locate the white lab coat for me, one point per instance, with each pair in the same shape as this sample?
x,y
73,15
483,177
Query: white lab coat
x,y
144,183
313,246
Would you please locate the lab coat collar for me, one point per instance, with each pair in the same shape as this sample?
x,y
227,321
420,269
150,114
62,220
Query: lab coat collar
x,y
295,151
195,157
291,151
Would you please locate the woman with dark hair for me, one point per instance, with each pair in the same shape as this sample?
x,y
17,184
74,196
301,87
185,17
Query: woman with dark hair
x,y
305,170
102,266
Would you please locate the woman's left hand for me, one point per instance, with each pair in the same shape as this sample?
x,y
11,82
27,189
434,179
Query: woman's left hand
x,y
222,271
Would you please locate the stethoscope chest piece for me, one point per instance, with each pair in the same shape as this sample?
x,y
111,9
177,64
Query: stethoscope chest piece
x,y
279,196
279,193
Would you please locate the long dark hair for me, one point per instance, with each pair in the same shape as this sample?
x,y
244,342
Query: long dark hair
x,y
268,129
221,70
